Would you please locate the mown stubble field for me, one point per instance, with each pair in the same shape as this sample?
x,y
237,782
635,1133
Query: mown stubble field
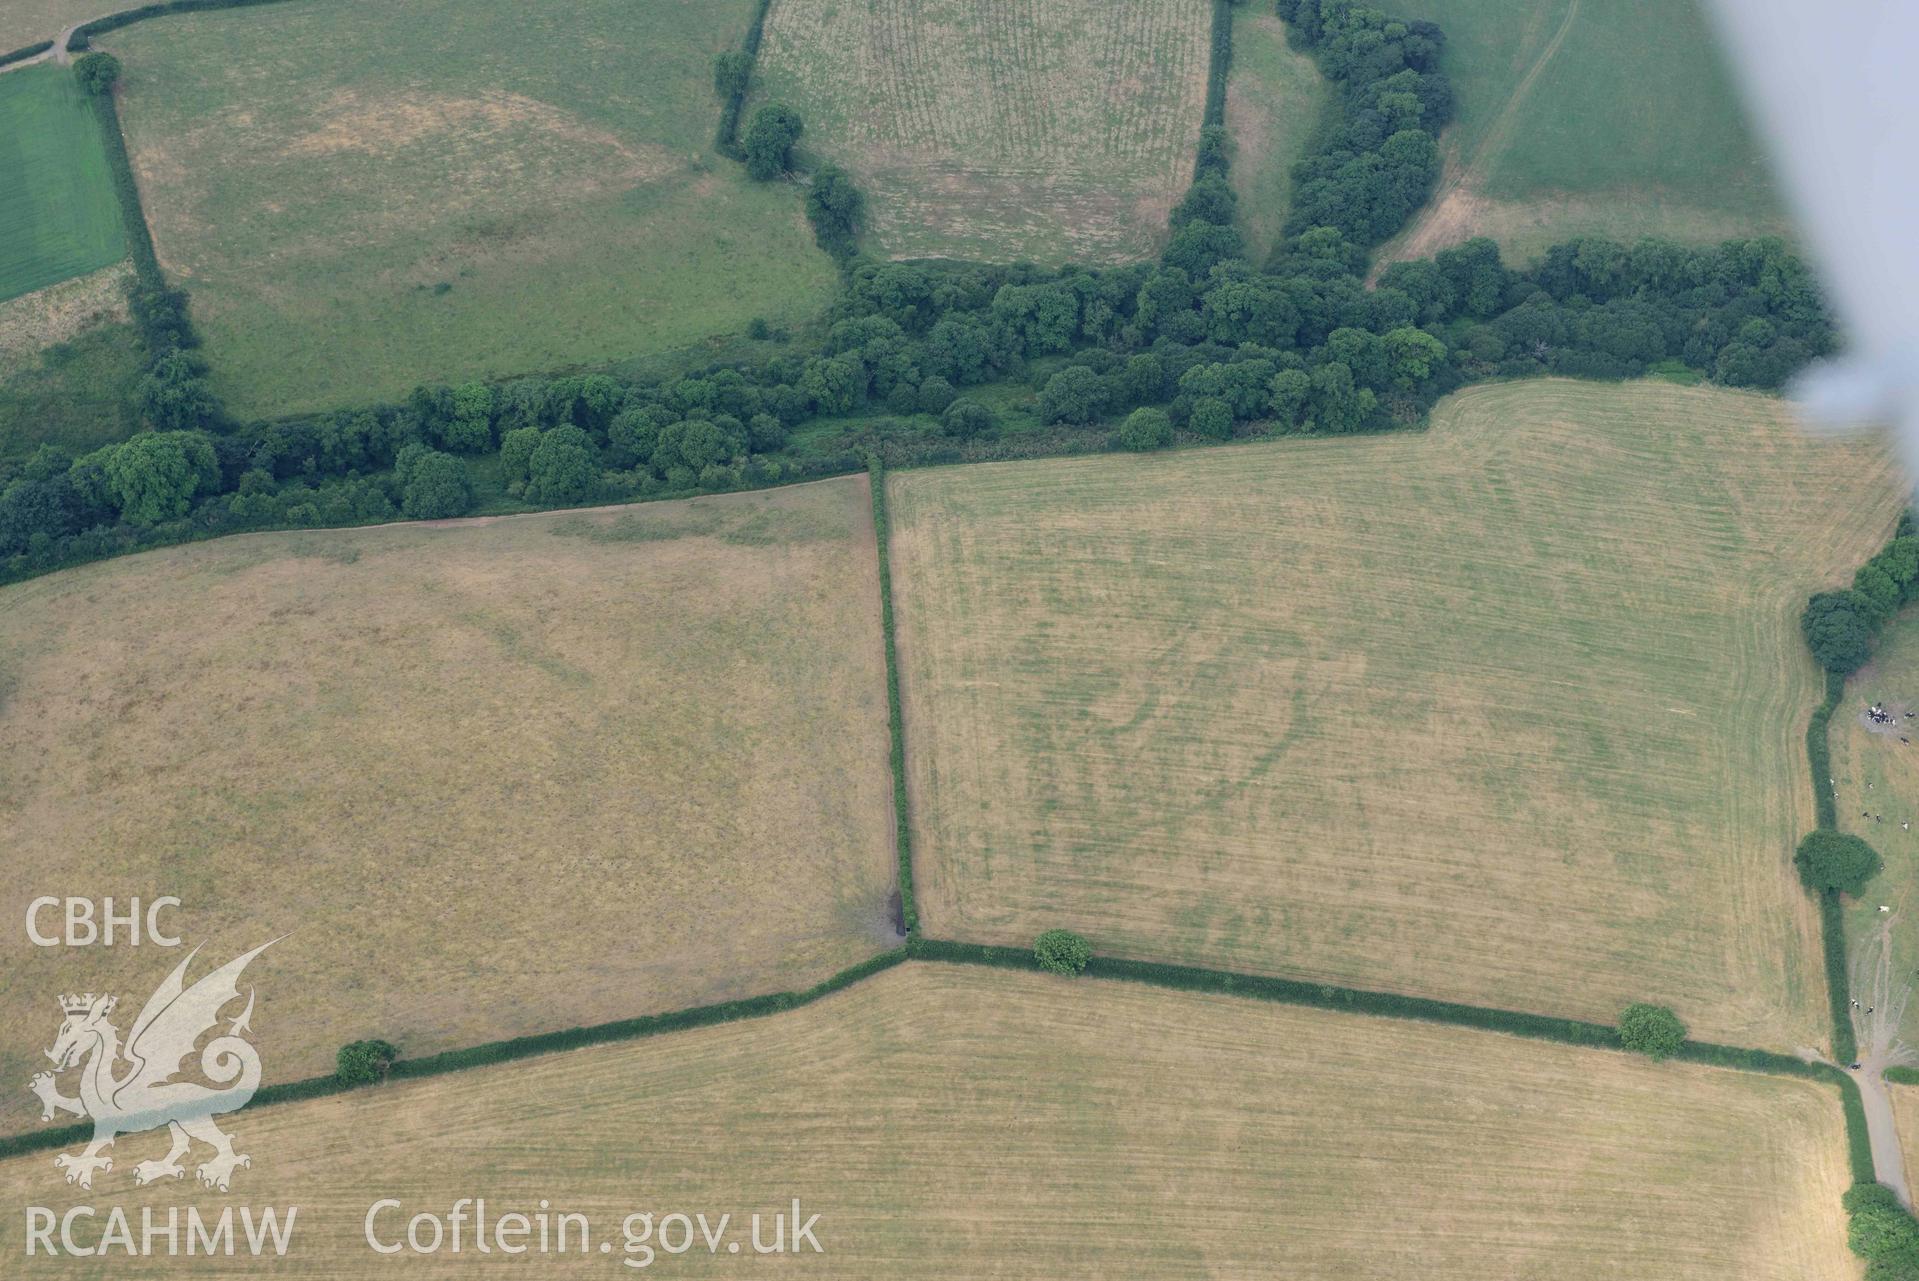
x,y
496,777
1509,712
999,130
25,22
983,1124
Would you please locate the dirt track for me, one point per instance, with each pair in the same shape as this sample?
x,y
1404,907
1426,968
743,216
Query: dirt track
x,y
57,54
1879,1003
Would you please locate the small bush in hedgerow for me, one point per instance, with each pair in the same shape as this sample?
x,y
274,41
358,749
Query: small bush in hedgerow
x,y
1829,860
364,1062
1062,952
1651,1030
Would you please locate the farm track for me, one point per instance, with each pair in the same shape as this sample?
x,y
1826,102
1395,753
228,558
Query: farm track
x,y
1880,1001
58,54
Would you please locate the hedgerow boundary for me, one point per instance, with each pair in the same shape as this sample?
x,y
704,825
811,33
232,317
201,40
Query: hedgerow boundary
x,y
895,714
1832,917
726,139
85,32
1180,978
1832,920
146,263
1218,68
22,54
522,1047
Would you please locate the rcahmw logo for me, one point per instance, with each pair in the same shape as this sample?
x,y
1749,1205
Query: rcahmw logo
x,y
130,1087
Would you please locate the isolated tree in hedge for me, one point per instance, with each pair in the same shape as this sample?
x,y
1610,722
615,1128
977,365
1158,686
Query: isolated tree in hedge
x,y
1651,1030
834,206
97,71
364,1062
1210,199
769,140
1062,952
1881,1231
1829,860
174,395
1838,628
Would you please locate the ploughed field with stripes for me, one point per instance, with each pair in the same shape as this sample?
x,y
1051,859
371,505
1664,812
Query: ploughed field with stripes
x,y
972,1124
1510,711
999,130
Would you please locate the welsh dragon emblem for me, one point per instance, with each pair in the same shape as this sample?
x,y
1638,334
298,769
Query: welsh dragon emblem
x,y
145,1095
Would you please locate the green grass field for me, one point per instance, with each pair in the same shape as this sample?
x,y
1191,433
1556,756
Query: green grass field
x,y
362,196
1874,773
1510,711
77,394
1590,117
1274,97
996,129
69,364
979,1124
58,217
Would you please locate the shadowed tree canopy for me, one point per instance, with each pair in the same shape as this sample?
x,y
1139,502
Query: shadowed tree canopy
x,y
1829,860
769,140
1651,1030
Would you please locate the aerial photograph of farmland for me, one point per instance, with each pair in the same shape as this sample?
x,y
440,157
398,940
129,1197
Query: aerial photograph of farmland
x,y
959,639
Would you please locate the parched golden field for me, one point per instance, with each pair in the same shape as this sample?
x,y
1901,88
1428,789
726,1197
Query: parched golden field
x,y
1905,1108
999,129
495,777
965,1123
25,22
1509,712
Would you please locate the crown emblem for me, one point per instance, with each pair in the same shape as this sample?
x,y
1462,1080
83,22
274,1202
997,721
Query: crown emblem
x,y
80,1004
